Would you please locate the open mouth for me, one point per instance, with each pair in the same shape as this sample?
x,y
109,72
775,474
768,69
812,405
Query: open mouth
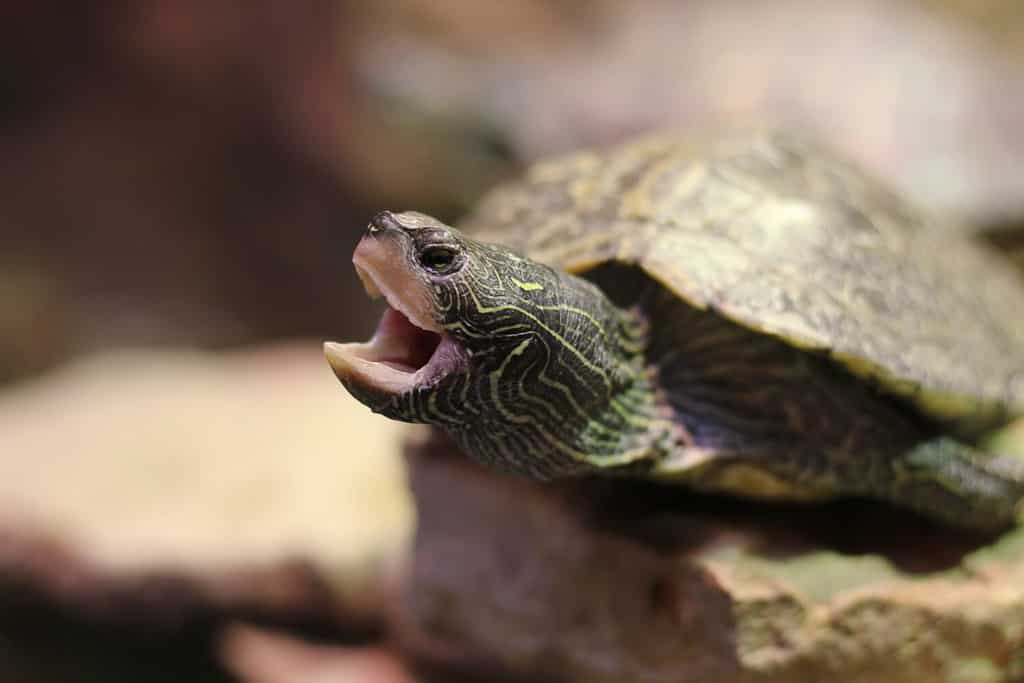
x,y
409,349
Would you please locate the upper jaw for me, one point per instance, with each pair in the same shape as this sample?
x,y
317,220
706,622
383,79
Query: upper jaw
x,y
409,348
382,267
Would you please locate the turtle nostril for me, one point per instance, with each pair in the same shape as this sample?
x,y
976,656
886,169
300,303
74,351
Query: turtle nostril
x,y
385,220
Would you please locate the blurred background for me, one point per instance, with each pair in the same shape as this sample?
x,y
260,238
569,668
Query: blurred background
x,y
182,183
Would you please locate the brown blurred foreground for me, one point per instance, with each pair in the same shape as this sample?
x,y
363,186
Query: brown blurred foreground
x,y
626,581
266,657
157,493
208,515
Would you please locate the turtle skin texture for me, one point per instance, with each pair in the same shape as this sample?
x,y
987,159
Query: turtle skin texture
x,y
828,319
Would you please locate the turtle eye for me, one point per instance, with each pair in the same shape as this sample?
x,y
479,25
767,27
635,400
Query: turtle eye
x,y
439,259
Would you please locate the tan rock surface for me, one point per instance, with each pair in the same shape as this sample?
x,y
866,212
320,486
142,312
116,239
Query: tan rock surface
x,y
610,581
178,480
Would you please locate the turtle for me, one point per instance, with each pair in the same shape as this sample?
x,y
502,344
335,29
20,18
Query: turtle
x,y
749,314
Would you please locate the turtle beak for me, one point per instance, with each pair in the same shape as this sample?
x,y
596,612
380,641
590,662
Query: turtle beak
x,y
409,347
382,265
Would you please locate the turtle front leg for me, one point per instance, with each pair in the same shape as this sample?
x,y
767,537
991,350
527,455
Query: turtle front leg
x,y
959,484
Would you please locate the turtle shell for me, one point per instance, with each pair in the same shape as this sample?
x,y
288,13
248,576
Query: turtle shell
x,y
779,235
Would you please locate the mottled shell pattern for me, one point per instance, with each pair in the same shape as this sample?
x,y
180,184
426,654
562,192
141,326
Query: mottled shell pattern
x,y
781,236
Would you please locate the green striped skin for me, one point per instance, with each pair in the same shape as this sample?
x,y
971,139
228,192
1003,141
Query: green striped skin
x,y
552,379
548,374
761,418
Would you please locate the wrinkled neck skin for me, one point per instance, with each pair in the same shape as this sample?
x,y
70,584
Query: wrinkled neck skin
x,y
557,383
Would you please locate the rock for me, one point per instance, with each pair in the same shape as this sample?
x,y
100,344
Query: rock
x,y
624,581
155,488
260,656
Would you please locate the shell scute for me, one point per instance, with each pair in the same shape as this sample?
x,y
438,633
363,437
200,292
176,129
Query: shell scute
x,y
779,235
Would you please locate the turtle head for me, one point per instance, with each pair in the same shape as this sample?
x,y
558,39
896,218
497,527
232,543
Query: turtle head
x,y
525,365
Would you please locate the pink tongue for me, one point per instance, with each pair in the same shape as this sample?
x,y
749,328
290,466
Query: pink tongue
x,y
402,345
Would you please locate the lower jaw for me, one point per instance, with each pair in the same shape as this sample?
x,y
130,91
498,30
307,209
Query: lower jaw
x,y
389,384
